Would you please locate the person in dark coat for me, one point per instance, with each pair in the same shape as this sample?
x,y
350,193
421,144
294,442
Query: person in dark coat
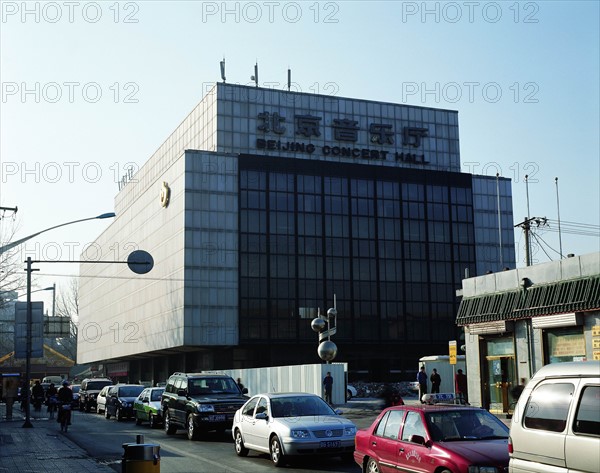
x,y
436,380
422,380
461,386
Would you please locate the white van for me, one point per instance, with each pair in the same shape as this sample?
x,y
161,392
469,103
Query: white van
x,y
53,379
556,423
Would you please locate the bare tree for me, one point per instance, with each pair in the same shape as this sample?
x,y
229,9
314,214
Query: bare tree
x,y
12,275
67,305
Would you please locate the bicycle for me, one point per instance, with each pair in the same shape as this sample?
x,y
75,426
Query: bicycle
x,y
64,415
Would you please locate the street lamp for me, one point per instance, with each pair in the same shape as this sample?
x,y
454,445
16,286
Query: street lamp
x,y
4,248
23,240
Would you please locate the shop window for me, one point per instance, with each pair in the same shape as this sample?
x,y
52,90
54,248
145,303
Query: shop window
x,y
564,344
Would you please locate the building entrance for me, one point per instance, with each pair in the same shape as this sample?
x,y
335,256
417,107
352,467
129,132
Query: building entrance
x,y
499,375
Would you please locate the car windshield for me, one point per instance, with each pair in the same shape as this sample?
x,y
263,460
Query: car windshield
x,y
156,394
130,391
298,406
97,385
76,388
212,386
476,424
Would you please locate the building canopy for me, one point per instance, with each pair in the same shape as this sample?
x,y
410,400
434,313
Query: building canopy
x,y
574,295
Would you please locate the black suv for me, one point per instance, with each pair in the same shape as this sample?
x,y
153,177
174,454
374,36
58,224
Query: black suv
x,y
90,387
200,402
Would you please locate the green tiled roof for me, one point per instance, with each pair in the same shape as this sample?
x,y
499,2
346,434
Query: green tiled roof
x,y
573,295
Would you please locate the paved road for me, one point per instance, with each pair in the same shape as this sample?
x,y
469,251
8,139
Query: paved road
x,y
214,453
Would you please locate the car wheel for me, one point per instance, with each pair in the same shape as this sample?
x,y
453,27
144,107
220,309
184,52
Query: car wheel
x,y
138,421
119,414
88,408
152,421
81,407
240,449
169,428
192,431
106,414
372,466
98,410
349,395
276,451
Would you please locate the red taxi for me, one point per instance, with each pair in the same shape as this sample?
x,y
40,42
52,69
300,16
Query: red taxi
x,y
433,439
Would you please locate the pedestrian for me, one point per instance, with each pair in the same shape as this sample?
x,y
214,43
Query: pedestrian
x,y
517,390
422,379
436,380
328,385
52,399
461,386
10,392
65,400
240,385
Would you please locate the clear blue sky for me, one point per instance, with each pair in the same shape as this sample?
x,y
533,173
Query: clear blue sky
x,y
89,88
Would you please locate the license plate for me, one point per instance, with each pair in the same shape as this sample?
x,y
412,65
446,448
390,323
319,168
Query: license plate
x,y
330,444
216,418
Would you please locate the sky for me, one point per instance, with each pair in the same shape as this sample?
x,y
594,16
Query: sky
x,y
89,89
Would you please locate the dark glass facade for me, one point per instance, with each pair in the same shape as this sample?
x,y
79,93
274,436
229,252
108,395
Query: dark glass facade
x,y
392,245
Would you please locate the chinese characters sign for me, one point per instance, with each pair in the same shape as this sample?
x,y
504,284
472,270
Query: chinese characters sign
x,y
345,130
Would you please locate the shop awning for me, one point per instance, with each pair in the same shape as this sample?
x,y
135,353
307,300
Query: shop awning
x,y
574,295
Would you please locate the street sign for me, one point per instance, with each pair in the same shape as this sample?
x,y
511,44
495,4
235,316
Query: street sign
x,y
452,351
37,330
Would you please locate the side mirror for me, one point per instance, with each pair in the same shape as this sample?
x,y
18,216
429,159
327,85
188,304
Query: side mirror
x,y
417,439
182,392
339,412
245,391
261,416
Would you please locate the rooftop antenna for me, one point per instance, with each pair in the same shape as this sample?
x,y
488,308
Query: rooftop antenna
x,y
558,210
255,76
223,69
289,79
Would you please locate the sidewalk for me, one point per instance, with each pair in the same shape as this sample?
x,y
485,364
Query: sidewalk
x,y
41,449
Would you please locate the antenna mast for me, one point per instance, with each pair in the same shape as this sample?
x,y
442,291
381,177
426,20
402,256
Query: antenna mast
x,y
558,210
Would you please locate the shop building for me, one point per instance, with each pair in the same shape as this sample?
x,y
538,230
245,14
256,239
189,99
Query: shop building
x,y
517,321
265,206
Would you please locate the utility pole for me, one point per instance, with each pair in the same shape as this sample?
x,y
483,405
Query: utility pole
x,y
526,226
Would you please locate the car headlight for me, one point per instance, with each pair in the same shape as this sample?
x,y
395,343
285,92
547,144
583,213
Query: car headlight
x,y
206,408
350,430
483,469
300,434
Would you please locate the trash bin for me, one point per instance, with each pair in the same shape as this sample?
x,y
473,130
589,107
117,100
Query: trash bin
x,y
140,458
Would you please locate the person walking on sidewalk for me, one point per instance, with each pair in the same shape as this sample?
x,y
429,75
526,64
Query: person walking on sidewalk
x,y
461,386
436,380
422,380
328,385
65,401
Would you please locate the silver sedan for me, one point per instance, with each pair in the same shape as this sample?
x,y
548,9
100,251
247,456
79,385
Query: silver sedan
x,y
292,424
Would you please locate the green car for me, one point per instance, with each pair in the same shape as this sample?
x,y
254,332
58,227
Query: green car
x,y
147,407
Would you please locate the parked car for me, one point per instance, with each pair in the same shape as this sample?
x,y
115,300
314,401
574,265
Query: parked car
x,y
350,392
90,387
200,402
291,424
147,407
556,424
432,439
101,399
120,399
